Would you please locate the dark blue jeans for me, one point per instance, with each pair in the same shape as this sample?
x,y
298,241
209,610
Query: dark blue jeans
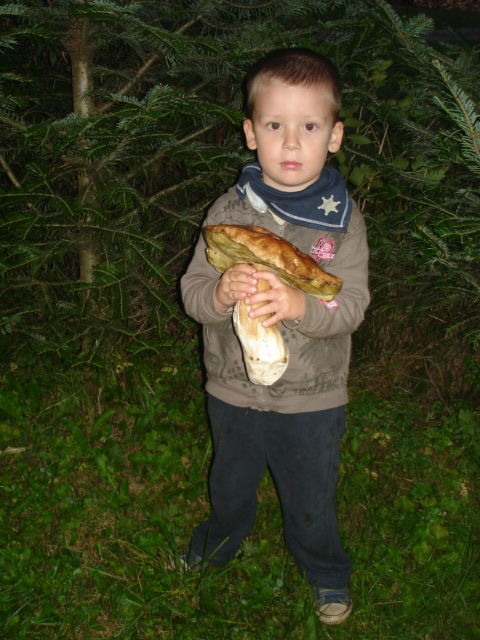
x,y
302,452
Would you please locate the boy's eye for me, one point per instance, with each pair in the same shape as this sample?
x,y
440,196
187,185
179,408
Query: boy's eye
x,y
310,126
275,126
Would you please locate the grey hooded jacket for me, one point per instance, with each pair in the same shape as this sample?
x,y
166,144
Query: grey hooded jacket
x,y
319,346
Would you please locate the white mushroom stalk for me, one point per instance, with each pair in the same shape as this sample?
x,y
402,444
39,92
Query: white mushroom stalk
x,y
264,350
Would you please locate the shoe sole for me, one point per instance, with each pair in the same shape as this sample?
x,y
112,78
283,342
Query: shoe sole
x,y
335,619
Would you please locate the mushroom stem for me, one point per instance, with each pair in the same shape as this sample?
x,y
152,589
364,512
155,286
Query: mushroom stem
x,y
264,351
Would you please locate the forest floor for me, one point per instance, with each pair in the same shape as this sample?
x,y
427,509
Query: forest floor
x,y
98,496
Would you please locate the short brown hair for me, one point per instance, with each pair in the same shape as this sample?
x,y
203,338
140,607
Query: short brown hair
x,y
296,66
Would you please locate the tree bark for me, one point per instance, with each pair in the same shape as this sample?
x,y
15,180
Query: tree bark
x,y
81,57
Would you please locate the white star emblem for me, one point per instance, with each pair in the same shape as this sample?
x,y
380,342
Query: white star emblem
x,y
329,205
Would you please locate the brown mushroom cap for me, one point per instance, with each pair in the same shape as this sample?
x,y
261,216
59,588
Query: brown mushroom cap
x,y
231,244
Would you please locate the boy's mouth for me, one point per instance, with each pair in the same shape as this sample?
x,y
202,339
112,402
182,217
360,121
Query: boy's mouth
x,y
290,165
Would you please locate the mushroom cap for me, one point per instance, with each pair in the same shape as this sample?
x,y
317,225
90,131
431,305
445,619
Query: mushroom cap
x,y
231,244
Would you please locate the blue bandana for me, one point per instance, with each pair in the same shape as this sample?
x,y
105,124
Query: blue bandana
x,y
324,205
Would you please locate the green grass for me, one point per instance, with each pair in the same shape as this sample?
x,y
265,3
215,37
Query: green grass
x,y
101,484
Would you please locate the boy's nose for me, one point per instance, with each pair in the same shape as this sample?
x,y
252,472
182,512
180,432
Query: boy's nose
x,y
291,140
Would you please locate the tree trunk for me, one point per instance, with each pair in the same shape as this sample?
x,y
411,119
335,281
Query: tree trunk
x,y
81,57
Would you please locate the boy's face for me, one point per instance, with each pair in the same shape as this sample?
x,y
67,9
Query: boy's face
x,y
292,130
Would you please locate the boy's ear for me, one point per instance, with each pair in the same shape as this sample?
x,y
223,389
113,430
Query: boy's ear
x,y
336,137
249,135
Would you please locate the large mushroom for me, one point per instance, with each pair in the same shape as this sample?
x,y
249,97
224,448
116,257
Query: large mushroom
x,y
264,350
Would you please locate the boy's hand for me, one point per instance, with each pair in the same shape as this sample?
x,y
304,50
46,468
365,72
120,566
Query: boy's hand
x,y
283,301
236,283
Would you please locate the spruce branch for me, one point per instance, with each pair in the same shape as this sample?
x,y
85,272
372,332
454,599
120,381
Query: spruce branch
x,y
160,154
126,88
144,68
13,179
11,122
470,119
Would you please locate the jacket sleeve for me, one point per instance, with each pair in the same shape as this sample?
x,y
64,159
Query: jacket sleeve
x,y
346,312
198,286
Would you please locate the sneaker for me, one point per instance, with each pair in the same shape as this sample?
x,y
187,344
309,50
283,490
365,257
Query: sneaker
x,y
192,561
333,605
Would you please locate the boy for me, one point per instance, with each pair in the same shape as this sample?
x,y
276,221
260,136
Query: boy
x,y
294,426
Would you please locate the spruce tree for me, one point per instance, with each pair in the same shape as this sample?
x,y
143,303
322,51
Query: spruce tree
x,y
411,157
120,123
